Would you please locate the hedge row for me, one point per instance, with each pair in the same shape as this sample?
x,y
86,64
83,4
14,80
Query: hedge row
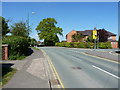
x,y
83,44
75,44
105,45
18,46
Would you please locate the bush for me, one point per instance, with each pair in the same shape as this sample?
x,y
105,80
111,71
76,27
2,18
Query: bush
x,y
102,45
105,45
17,46
89,45
75,44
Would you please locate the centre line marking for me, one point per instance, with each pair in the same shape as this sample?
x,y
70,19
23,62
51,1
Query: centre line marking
x,y
106,72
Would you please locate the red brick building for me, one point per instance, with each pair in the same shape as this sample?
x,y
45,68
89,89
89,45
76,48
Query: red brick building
x,y
86,33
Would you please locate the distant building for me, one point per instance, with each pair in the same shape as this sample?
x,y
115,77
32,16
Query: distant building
x,y
111,36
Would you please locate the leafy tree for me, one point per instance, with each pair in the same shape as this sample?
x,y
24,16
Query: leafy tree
x,y
48,31
119,42
77,37
90,38
20,29
33,42
103,35
4,25
52,41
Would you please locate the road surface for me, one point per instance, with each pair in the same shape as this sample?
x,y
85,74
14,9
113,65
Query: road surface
x,y
77,70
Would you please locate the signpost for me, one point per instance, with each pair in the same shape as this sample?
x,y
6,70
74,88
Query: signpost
x,y
94,37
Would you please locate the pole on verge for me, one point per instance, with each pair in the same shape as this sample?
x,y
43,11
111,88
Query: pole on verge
x,y
95,37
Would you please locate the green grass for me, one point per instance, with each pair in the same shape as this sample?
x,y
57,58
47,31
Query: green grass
x,y
35,48
21,57
7,74
17,57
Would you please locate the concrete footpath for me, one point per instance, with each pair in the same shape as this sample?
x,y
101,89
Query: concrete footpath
x,y
32,72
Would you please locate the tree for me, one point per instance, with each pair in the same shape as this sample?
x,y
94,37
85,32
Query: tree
x,y
20,29
52,41
90,38
119,42
77,37
48,31
103,35
4,25
33,42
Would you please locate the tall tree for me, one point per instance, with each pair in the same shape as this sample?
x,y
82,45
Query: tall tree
x,y
77,37
103,35
52,41
4,25
48,31
20,29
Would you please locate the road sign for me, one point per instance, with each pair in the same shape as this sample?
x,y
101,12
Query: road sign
x,y
94,34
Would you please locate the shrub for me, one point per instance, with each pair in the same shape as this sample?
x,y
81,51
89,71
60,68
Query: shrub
x,y
102,45
75,44
17,46
105,45
108,44
89,45
81,45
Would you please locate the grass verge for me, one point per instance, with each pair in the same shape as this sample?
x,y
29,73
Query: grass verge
x,y
7,74
35,48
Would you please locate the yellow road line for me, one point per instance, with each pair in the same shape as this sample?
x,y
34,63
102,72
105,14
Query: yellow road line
x,y
53,68
53,71
56,73
100,58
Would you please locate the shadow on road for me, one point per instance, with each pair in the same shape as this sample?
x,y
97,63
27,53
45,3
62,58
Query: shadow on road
x,y
117,52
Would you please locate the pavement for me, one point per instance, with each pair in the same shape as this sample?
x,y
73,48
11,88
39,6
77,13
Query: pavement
x,y
78,70
32,72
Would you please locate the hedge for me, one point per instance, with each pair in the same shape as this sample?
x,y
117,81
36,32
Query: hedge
x,y
105,45
18,46
75,44
102,45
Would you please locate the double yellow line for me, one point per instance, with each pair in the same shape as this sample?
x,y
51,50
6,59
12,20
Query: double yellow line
x,y
53,69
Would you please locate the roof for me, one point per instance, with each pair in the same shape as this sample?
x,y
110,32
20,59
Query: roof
x,y
89,32
86,32
111,34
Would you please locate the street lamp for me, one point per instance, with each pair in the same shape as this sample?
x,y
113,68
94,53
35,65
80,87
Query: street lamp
x,y
28,19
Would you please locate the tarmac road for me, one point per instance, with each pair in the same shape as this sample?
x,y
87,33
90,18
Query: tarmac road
x,y
77,70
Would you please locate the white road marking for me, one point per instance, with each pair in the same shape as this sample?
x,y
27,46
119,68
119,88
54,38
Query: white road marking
x,y
106,72
113,54
74,51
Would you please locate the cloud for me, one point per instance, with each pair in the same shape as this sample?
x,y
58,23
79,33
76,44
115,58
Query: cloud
x,y
35,36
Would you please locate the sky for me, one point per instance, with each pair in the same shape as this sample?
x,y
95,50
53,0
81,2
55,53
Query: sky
x,y
70,16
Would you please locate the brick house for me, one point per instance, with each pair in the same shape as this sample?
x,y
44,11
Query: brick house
x,y
86,33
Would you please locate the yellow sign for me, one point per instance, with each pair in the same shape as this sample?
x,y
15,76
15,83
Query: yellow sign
x,y
94,34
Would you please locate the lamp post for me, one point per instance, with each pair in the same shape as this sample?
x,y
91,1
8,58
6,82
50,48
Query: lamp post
x,y
28,20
